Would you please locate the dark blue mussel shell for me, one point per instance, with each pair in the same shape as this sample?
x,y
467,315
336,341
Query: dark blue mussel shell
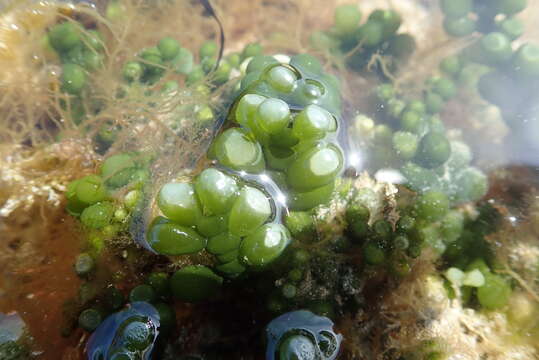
x,y
301,335
125,335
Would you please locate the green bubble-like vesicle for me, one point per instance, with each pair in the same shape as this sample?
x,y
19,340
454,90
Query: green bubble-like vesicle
x,y
315,168
265,245
178,202
234,149
250,210
216,191
309,199
223,243
168,238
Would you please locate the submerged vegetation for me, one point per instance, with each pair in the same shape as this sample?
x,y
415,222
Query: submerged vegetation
x,y
325,195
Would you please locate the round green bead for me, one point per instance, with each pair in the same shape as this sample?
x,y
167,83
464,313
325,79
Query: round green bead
x,y
260,62
312,90
183,62
251,209
289,291
195,283
264,245
434,150
412,122
169,48
168,238
98,215
159,281
526,60
64,36
152,61
402,46
212,225
401,242
94,40
432,205
117,170
313,122
373,254
346,19
434,102
385,92
295,275
307,62
281,78
73,78
142,293
459,27
132,71
92,60
208,49
195,75
451,65
234,149
84,264
444,87
90,319
510,7
179,203
273,115
299,222
451,226
306,200
216,191
223,243
395,107
496,48
416,106
405,224
167,316
297,347
315,168
371,33
250,50
456,8
405,144
247,107
137,335
472,185
390,20
513,28
461,155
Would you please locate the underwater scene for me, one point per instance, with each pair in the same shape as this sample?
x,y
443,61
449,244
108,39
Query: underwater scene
x,y
269,180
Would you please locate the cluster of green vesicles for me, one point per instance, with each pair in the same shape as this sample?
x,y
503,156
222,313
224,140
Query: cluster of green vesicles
x,y
471,267
463,17
233,220
81,51
378,35
103,202
128,334
191,283
414,140
288,124
508,75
